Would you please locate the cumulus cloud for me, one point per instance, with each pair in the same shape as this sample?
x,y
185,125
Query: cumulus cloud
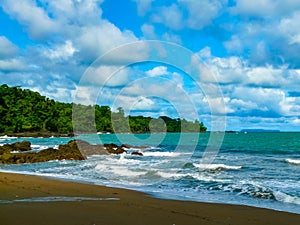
x,y
248,90
97,40
7,48
34,18
201,13
157,71
104,75
143,6
290,28
148,31
61,52
266,32
75,13
265,8
12,65
235,70
191,14
171,16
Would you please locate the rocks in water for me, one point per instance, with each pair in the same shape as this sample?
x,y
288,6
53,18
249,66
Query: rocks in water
x,y
9,155
87,149
19,152
114,149
22,146
137,153
18,146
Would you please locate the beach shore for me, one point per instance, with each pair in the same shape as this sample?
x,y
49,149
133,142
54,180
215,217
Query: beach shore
x,y
101,205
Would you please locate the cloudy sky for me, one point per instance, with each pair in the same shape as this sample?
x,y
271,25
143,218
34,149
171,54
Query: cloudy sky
x,y
250,47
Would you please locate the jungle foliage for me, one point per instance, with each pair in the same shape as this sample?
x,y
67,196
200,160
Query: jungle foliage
x,y
23,110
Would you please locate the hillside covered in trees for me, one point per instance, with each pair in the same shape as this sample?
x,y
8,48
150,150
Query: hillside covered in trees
x,y
28,111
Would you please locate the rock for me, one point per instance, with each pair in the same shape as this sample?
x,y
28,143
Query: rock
x,y
88,149
137,153
18,146
22,146
67,151
73,150
114,149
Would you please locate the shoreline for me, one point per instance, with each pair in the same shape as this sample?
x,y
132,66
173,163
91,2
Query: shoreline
x,y
38,134
109,205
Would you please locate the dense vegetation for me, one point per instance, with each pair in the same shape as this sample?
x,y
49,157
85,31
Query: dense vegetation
x,y
28,111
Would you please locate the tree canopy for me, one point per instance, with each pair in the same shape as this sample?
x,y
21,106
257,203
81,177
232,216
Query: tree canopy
x,y
23,110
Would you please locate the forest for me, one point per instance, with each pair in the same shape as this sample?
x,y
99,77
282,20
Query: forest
x,y
23,110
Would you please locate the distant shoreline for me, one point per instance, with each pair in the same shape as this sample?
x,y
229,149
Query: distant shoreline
x,y
40,134
43,134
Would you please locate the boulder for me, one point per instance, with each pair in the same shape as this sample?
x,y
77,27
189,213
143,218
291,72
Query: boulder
x,y
22,146
114,149
67,151
137,153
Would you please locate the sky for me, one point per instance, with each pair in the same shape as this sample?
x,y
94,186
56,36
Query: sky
x,y
250,48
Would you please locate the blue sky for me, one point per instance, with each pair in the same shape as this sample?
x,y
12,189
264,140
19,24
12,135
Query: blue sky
x,y
251,47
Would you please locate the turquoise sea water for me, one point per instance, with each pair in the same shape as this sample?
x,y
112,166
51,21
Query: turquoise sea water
x,y
257,169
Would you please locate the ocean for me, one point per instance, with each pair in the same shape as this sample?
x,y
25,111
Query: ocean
x,y
255,169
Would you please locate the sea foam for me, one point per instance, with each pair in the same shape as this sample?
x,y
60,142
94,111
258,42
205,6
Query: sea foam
x,y
282,197
217,167
293,161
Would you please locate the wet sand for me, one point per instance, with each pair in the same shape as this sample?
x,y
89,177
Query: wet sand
x,y
114,206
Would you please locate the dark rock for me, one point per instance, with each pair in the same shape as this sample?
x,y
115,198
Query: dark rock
x,y
88,149
67,151
73,150
114,149
22,146
137,153
18,146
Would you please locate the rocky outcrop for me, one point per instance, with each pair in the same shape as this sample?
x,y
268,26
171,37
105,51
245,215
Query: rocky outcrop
x,y
19,152
137,153
114,149
18,146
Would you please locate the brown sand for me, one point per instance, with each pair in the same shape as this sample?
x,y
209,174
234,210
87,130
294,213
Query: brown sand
x,y
132,208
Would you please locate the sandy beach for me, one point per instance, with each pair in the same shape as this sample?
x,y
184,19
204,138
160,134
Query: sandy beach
x,y
91,204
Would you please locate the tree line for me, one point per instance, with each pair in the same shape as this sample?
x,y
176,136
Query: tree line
x,y
23,110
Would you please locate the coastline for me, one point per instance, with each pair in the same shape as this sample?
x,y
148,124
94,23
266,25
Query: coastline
x,y
106,205
38,134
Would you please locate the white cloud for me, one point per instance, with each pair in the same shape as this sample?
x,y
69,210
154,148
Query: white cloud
x,y
96,40
265,8
234,45
289,27
157,71
148,31
140,104
85,95
256,90
7,48
34,18
191,14
170,16
111,76
143,6
79,13
11,65
296,121
201,13
61,52
171,38
235,70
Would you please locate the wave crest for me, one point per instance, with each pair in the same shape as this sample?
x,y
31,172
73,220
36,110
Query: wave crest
x,y
293,161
